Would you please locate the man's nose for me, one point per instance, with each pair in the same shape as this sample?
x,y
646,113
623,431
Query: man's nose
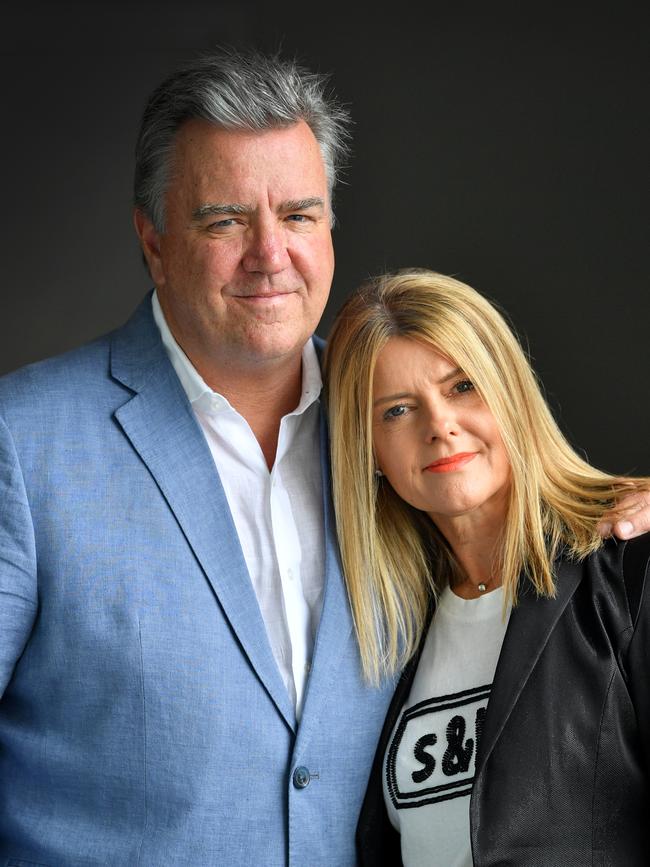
x,y
266,248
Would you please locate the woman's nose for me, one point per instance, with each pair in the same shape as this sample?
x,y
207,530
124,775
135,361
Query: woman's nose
x,y
442,424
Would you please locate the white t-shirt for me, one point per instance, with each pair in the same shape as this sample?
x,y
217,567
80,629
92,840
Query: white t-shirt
x,y
429,764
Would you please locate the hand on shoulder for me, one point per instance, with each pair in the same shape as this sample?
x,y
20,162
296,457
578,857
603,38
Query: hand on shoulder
x,y
630,518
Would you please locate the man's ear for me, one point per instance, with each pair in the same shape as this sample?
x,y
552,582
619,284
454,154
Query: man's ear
x,y
150,243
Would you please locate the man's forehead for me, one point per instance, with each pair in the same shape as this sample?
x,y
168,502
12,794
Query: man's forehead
x,y
219,169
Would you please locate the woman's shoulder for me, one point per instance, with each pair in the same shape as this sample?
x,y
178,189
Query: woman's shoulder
x,y
625,564
637,550
614,577
629,557
622,555
636,559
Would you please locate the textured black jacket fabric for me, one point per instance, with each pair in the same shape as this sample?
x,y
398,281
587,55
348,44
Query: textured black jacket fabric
x,y
563,767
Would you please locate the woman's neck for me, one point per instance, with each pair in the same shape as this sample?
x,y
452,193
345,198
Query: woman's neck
x,y
476,539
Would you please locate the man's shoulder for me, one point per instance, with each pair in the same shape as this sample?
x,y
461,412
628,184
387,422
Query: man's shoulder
x,y
63,369
79,372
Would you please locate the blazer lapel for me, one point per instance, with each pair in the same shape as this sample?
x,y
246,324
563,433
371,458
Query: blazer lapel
x,y
531,623
160,423
335,626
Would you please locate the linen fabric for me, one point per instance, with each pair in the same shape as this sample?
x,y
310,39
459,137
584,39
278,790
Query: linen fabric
x,y
278,514
143,718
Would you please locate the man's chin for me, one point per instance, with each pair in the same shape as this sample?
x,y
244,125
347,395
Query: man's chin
x,y
268,308
270,346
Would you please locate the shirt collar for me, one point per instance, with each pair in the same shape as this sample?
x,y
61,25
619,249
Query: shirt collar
x,y
195,386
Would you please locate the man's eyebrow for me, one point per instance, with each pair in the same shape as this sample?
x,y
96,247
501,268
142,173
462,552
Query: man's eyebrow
x,y
216,209
303,204
406,394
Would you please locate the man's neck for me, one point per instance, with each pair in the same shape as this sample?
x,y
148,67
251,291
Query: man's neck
x,y
262,392
262,395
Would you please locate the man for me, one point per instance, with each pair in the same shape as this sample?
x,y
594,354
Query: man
x,y
180,679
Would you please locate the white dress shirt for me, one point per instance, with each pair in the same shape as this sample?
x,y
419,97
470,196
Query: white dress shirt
x,y
278,513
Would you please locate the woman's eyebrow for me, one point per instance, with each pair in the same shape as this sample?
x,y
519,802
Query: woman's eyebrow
x,y
404,394
451,375
390,397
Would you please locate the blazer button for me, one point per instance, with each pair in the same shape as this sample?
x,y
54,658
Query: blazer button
x,y
301,777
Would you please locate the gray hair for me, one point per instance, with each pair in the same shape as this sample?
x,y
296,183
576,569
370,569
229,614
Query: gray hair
x,y
234,90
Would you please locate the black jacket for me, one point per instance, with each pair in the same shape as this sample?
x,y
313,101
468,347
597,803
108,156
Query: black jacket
x,y
563,766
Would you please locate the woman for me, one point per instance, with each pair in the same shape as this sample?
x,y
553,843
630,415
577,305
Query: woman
x,y
520,729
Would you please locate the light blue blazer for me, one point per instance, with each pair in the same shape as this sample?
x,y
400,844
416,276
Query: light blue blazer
x,y
143,720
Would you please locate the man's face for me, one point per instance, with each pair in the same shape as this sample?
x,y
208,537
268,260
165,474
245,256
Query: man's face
x,y
244,266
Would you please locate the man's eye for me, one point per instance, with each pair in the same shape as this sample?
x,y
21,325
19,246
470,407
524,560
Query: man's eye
x,y
221,224
464,385
298,218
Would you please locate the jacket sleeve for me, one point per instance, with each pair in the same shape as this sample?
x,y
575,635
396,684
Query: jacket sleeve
x,y
18,589
636,568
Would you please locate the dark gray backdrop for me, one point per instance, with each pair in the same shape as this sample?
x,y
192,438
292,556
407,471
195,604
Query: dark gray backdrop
x,y
506,146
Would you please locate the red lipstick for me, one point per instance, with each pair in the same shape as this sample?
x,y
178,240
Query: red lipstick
x,y
453,462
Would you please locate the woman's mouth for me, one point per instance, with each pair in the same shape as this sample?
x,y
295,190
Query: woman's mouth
x,y
451,463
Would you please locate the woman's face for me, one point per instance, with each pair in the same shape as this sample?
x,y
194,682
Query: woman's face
x,y
434,439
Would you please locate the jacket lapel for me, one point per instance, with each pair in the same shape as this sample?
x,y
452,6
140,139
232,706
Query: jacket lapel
x,y
160,424
335,625
531,623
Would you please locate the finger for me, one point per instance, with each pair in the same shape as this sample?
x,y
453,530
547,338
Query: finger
x,y
605,528
629,518
633,524
632,502
626,530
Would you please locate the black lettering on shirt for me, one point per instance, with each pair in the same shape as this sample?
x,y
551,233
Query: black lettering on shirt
x,y
458,754
430,758
426,758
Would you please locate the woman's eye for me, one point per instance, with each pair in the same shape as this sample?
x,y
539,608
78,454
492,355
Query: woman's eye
x,y
463,386
395,412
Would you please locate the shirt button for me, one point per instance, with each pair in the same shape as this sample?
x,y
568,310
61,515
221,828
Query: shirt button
x,y
301,777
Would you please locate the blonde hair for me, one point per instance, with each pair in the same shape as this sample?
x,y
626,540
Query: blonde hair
x,y
395,561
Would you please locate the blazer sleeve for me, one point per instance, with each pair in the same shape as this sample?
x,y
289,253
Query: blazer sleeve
x,y
636,573
18,588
